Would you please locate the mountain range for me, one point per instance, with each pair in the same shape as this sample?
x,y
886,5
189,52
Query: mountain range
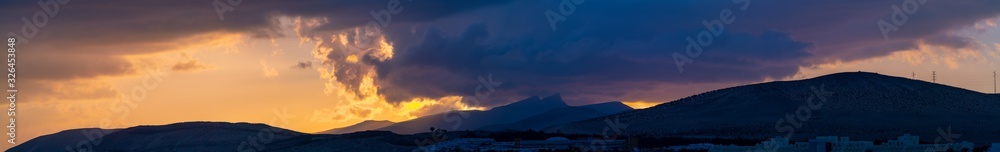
x,y
187,136
859,105
363,126
531,113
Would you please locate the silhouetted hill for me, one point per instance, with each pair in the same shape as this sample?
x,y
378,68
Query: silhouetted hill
x,y
362,126
609,107
562,116
858,104
532,104
471,120
223,137
63,140
187,136
531,113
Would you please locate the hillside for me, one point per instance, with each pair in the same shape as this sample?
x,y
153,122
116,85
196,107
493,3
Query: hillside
x,y
362,126
857,104
562,116
67,139
471,120
187,136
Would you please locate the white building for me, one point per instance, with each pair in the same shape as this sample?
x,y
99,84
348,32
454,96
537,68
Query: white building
x,y
776,144
905,143
554,143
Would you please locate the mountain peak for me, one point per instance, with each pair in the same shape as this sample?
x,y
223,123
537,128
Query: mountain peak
x,y
361,126
610,107
855,101
554,98
377,121
534,103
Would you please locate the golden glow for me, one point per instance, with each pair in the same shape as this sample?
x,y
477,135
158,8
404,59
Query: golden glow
x,y
368,104
342,38
268,71
384,50
352,58
363,101
924,54
641,104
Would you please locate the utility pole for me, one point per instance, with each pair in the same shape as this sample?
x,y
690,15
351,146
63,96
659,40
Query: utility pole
x,y
913,75
934,76
994,81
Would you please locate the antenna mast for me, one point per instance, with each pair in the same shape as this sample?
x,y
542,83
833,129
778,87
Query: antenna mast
x,y
994,81
934,76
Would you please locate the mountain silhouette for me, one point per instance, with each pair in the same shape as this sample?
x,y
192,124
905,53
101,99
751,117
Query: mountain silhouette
x,y
474,119
362,126
66,140
561,116
187,136
858,105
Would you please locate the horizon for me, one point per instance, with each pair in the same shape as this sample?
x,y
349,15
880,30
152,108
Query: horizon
x,y
314,65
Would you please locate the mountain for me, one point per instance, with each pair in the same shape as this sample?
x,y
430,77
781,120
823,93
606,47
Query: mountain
x,y
363,126
188,136
530,113
63,141
219,137
562,116
609,107
474,119
531,106
858,105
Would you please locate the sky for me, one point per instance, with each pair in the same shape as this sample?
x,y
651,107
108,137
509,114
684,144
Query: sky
x,y
313,65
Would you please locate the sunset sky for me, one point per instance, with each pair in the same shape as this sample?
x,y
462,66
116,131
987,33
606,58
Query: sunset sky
x,y
313,65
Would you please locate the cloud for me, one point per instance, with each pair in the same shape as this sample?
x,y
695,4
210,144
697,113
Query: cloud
x,y
435,49
189,65
604,49
93,40
303,65
268,71
70,90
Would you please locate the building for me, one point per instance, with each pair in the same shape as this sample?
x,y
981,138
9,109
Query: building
x,y
905,143
553,143
774,145
701,146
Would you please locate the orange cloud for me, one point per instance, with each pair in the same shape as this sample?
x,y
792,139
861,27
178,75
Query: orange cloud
x,y
353,85
268,71
189,65
923,54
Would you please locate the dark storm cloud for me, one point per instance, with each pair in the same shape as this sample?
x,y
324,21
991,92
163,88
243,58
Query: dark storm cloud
x,y
602,50
65,40
610,48
107,28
